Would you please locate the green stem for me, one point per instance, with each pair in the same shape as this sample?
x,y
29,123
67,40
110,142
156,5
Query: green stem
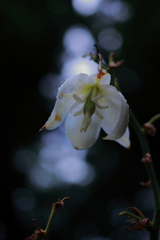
x,y
46,231
153,119
142,139
130,215
145,149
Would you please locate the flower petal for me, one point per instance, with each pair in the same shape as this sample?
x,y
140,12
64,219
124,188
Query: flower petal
x,y
84,83
124,140
68,87
81,140
64,102
106,79
117,115
65,99
59,112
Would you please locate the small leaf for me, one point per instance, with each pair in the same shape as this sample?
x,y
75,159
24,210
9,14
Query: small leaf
x,y
35,235
140,225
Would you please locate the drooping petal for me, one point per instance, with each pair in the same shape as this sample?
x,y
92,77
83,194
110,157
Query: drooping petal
x,y
68,87
59,112
117,115
81,140
64,102
124,140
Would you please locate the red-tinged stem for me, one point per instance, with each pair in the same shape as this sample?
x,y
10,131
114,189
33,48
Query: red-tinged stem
x,y
150,169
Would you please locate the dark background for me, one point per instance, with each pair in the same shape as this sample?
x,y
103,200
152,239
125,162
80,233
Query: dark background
x,y
31,44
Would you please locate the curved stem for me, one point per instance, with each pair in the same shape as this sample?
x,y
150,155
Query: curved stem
x,y
153,119
150,169
130,215
46,231
55,206
142,139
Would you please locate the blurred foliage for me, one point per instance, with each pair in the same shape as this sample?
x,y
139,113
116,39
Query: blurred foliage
x,y
30,46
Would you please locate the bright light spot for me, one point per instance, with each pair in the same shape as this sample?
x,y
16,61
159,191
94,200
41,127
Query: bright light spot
x,y
55,147
41,179
74,170
78,40
116,10
79,65
58,157
23,199
59,164
110,39
86,7
23,160
49,84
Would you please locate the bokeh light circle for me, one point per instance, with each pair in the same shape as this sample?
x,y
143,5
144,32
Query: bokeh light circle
x,y
74,170
86,7
59,164
78,40
110,39
116,10
78,65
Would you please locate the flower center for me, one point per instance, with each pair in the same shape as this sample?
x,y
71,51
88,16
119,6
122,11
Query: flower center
x,y
90,107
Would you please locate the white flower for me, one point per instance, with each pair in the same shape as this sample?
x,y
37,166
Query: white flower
x,y
89,103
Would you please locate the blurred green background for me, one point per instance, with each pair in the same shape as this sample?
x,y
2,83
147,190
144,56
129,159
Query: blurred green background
x,y
42,43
